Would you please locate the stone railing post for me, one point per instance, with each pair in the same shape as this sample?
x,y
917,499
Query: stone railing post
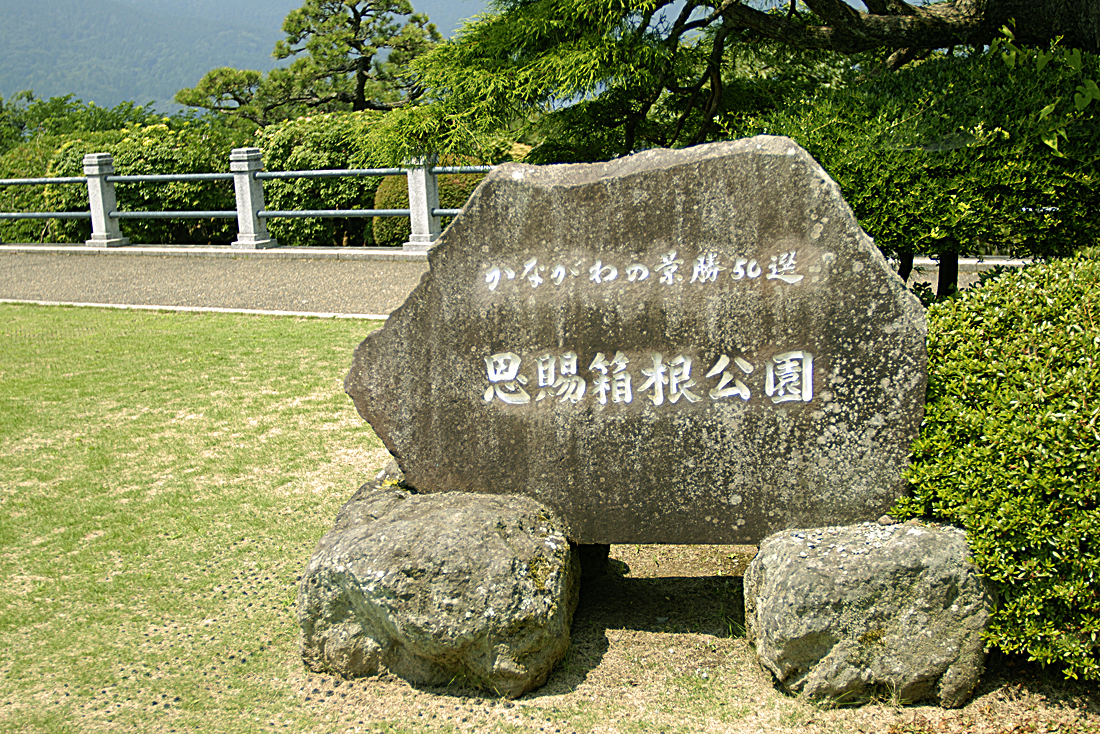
x,y
101,201
252,231
423,199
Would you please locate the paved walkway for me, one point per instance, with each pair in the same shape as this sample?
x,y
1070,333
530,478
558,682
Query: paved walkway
x,y
351,282
347,282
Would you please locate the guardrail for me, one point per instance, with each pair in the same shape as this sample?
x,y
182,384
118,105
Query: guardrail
x,y
247,174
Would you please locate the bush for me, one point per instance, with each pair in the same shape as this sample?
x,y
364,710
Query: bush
x,y
317,142
144,150
393,193
948,155
1010,451
28,160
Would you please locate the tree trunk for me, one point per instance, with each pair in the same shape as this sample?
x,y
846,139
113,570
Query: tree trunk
x,y
949,274
905,265
359,101
1039,21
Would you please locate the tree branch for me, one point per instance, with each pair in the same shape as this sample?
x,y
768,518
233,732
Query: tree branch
x,y
714,70
903,56
850,31
835,12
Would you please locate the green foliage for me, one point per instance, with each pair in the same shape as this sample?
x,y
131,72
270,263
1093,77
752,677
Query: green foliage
x,y
144,150
237,94
1037,62
50,137
317,142
393,193
1010,451
325,141
11,121
24,117
348,56
62,115
416,132
948,156
28,160
338,48
594,80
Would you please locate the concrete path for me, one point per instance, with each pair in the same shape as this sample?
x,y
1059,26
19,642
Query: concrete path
x,y
349,282
354,282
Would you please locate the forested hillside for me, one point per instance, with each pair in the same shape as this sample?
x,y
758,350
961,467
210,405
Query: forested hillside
x,y
239,12
111,51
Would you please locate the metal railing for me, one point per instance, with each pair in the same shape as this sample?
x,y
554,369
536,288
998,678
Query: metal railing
x,y
247,174
42,182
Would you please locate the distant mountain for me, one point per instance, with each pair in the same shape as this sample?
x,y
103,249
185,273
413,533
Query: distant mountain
x,y
446,14
111,51
449,14
261,13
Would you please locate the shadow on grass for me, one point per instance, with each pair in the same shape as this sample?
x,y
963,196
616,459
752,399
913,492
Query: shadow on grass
x,y
1014,677
706,605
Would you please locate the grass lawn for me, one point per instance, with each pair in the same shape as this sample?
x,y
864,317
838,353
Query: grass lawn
x,y
164,478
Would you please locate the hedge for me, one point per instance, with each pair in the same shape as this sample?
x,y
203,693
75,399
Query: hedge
x,y
317,142
393,193
150,149
1010,451
948,155
28,160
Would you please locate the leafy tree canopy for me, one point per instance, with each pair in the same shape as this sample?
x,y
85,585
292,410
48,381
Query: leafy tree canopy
x,y
25,117
959,155
347,55
965,140
642,73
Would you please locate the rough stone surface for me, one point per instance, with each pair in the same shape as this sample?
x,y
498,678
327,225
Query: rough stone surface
x,y
846,613
434,587
777,365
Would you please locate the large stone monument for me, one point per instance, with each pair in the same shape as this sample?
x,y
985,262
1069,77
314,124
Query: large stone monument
x,y
693,346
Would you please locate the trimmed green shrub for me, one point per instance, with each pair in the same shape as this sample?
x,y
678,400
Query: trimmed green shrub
x,y
146,150
317,142
1010,451
29,160
393,193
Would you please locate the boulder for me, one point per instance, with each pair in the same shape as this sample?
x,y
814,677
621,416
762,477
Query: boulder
x,y
679,346
845,614
437,587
